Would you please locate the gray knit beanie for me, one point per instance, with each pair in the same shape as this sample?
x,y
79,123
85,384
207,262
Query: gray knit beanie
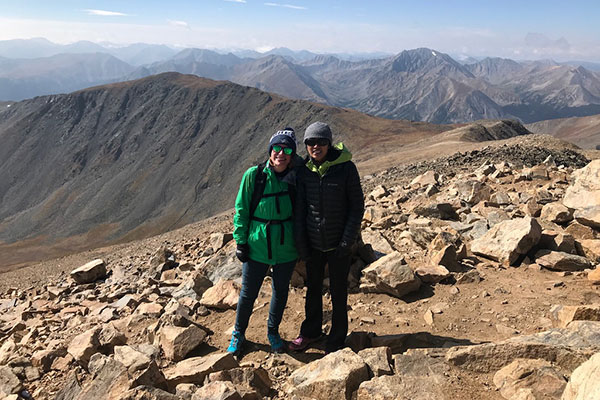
x,y
318,130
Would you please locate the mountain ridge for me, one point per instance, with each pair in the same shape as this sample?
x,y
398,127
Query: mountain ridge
x,y
420,84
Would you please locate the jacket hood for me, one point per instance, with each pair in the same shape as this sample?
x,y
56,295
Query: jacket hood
x,y
337,154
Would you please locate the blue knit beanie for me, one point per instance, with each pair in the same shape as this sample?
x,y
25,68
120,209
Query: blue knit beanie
x,y
285,136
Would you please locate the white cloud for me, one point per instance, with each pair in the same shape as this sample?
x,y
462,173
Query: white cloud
x,y
105,13
236,1
286,6
181,24
65,32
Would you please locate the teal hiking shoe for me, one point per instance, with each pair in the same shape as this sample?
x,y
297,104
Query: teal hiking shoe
x,y
235,345
277,343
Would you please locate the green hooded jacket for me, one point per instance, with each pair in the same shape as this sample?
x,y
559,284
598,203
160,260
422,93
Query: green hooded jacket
x,y
253,232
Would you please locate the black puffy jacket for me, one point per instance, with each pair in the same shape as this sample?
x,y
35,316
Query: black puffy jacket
x,y
329,203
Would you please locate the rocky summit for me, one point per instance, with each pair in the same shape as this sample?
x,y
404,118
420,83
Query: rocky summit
x,y
476,276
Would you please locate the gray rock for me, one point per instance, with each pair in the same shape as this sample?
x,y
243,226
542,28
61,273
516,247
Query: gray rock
x,y
538,378
560,261
195,369
557,241
131,358
432,273
335,376
193,286
223,295
9,382
557,213
566,347
563,315
177,342
90,272
147,393
110,382
378,359
71,388
219,240
472,192
84,345
417,377
589,216
508,240
254,378
389,275
443,211
223,265
585,190
584,383
219,390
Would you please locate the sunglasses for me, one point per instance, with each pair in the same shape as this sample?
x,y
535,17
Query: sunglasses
x,y
286,150
319,142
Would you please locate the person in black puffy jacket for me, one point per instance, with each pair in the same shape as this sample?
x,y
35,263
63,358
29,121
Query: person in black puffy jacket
x,y
329,210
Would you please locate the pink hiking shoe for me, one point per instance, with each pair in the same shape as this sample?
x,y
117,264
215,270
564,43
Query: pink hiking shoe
x,y
301,343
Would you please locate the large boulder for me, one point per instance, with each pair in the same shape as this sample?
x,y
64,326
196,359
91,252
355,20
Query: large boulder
x,y
195,369
539,379
418,377
584,383
590,248
566,347
9,382
561,261
177,341
335,376
389,275
223,295
378,359
110,382
557,213
563,315
584,195
89,272
255,379
471,191
508,240
219,390
84,345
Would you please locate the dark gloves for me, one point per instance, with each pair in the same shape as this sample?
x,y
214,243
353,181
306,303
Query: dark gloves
x,y
303,254
242,252
342,250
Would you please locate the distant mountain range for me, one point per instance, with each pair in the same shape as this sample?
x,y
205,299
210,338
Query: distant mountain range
x,y
420,84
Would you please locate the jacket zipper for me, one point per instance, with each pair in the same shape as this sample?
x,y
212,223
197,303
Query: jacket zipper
x,y
322,225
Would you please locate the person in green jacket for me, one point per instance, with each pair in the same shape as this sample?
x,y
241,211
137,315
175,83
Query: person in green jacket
x,y
265,238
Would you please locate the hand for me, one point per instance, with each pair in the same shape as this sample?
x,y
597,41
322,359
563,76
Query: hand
x,y
342,250
242,252
304,255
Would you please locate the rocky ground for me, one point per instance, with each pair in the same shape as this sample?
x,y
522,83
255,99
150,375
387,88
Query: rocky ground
x,y
475,278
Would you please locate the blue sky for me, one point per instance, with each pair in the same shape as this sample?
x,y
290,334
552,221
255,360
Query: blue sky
x,y
532,29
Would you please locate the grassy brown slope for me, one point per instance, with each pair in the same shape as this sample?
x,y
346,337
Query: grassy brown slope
x,y
582,131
